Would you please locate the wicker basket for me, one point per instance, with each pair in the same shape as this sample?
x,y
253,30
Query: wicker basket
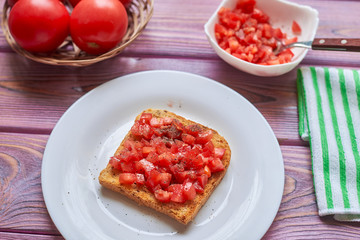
x,y
68,54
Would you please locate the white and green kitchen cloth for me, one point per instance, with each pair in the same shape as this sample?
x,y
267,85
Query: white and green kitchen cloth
x,y
329,118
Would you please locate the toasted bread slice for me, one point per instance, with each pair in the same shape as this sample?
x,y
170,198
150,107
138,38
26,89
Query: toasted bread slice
x,y
182,212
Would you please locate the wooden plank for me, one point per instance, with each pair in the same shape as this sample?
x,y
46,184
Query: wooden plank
x,y
23,209
33,100
25,236
22,205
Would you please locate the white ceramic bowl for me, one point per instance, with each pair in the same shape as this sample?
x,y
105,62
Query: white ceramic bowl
x,y
282,14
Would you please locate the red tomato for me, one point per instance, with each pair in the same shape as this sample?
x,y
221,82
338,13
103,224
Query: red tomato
x,y
39,25
74,2
296,29
12,2
97,26
126,2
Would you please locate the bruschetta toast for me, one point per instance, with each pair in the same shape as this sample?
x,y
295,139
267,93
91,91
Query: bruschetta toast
x,y
168,163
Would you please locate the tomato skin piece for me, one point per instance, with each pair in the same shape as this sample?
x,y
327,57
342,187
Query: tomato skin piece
x,y
295,27
97,26
39,26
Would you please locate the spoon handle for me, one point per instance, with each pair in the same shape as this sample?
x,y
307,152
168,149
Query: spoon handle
x,y
337,44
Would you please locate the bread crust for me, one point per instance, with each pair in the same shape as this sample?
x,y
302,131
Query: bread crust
x,y
182,212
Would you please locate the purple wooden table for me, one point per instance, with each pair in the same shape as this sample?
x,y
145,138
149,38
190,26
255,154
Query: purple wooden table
x,y
34,96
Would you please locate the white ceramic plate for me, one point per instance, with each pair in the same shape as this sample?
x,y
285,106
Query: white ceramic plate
x,y
242,207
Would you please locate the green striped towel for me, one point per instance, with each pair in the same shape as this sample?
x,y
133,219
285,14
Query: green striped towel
x,y
329,117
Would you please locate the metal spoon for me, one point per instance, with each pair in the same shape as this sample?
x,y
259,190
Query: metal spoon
x,y
329,44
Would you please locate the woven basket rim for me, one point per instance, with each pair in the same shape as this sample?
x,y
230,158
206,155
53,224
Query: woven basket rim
x,y
139,14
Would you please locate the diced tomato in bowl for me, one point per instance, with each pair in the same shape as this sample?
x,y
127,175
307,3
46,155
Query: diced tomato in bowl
x,y
244,33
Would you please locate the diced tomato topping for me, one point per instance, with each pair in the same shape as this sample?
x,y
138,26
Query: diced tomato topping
x,y
172,160
216,165
145,117
163,196
187,138
115,163
177,193
204,136
295,27
219,152
207,171
198,188
189,191
245,33
209,148
127,178
166,158
146,166
193,129
202,180
156,122
127,167
143,130
165,179
167,120
140,178
147,150
197,162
